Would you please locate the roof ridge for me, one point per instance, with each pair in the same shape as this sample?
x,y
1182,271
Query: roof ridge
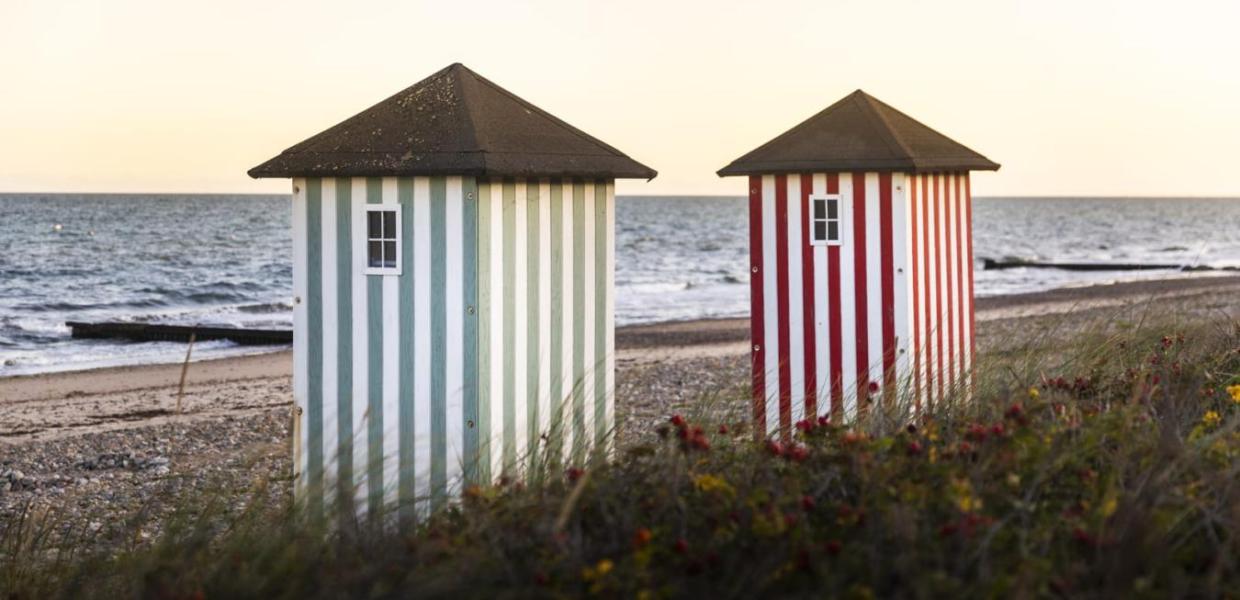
x,y
867,103
555,120
471,128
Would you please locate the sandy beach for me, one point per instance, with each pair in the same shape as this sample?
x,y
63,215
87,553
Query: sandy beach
x,y
115,437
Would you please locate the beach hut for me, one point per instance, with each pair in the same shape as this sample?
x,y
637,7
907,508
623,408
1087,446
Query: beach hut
x,y
861,260
453,261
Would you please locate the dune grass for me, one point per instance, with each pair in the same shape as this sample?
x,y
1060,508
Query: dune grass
x,y
1106,465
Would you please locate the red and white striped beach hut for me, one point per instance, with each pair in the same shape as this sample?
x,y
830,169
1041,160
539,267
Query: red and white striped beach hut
x,y
860,228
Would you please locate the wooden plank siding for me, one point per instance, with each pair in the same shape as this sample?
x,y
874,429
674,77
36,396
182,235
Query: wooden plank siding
x,y
887,315
493,348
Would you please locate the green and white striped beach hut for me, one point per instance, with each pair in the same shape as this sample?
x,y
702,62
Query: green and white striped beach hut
x,y
454,257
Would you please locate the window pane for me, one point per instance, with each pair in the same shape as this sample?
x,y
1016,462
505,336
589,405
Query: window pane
x,y
833,231
389,224
833,208
820,208
374,227
389,255
820,231
374,254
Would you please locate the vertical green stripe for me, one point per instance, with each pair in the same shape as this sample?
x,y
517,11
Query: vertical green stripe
x,y
344,343
510,240
439,364
469,366
533,258
579,294
314,315
601,426
556,386
374,326
406,492
485,331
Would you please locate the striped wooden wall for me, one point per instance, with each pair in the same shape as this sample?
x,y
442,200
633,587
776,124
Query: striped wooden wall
x,y
836,327
498,332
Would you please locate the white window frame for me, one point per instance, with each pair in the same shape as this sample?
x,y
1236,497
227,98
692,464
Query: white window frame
x,y
839,220
366,239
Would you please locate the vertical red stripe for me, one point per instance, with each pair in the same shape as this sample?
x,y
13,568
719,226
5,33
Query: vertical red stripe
x,y
886,243
833,301
968,204
960,316
938,287
807,301
949,273
860,297
781,258
757,331
928,320
916,269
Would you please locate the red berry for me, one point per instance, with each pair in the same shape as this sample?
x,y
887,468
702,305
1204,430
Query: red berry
x,y
914,448
574,473
807,502
642,537
873,387
677,420
723,429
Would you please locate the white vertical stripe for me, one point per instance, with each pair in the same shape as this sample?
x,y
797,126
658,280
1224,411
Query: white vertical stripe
x,y
770,304
874,277
495,203
361,353
848,310
391,371
822,316
900,231
796,298
923,309
421,274
331,342
544,308
609,370
520,302
454,346
301,334
567,377
589,316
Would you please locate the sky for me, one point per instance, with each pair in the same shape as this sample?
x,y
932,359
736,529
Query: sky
x,y
1072,97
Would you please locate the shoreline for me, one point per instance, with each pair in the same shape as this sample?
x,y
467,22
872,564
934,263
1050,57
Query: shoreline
x,y
635,344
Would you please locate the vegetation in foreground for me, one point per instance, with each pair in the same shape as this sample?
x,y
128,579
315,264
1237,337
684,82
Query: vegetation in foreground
x,y
1110,469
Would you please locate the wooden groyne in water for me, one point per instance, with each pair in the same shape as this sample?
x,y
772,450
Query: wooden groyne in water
x,y
145,332
990,264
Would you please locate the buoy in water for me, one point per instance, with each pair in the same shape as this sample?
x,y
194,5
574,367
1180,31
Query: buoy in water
x,y
57,227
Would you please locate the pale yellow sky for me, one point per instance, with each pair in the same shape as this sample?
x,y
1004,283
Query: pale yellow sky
x,y
1124,97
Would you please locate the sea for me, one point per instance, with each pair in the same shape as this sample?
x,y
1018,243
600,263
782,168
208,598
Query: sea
x,y
226,260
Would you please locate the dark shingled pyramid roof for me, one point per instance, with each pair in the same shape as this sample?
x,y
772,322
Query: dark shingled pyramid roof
x,y
454,122
859,133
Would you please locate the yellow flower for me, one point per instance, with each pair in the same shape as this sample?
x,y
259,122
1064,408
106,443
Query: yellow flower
x,y
710,483
1211,418
1033,393
1234,392
962,491
597,571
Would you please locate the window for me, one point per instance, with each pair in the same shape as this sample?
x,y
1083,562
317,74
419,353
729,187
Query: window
x,y
383,239
825,221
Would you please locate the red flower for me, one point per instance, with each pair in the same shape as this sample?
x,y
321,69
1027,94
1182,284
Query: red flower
x,y
976,433
723,429
805,425
574,473
797,453
775,448
677,420
873,387
1014,411
997,430
642,537
824,420
914,448
965,448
